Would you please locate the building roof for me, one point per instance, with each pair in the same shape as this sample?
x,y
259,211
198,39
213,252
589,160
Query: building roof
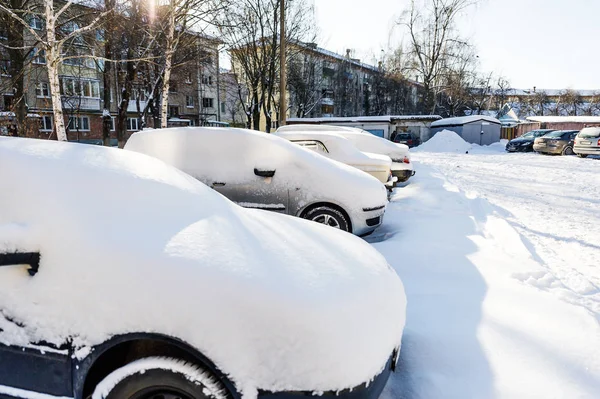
x,y
565,119
328,53
463,120
364,119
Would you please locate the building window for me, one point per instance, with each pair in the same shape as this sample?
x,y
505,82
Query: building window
x,y
172,87
39,56
42,90
46,123
189,101
188,79
132,124
112,124
173,110
36,23
223,107
79,123
207,79
208,102
84,88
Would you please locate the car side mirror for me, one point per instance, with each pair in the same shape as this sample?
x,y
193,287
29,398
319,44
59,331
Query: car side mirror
x,y
21,258
264,173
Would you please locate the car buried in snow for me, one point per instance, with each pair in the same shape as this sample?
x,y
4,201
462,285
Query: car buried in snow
x,y
336,147
364,141
122,277
258,170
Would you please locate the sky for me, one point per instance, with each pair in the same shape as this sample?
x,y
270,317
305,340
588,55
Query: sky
x,y
549,44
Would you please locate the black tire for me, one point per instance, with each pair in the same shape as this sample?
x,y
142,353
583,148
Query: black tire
x,y
582,155
568,150
156,377
329,216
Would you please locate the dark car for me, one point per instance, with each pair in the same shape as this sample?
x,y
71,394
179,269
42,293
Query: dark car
x,y
525,142
408,139
559,142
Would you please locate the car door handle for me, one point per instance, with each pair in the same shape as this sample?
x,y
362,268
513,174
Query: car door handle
x,y
218,184
22,258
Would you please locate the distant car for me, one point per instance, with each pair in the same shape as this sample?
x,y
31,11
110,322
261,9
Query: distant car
x,y
525,142
407,139
333,145
556,142
124,278
402,168
263,171
587,142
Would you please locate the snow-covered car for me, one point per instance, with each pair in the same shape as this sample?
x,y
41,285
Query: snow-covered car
x,y
258,170
335,146
366,142
123,277
587,142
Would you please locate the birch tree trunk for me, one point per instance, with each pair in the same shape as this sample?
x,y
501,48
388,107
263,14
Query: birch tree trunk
x,y
52,65
164,105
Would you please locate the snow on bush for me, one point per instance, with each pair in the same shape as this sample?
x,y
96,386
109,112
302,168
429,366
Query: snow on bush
x,y
130,244
445,141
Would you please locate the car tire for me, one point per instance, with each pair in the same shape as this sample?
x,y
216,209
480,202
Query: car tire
x,y
582,155
568,150
160,377
328,216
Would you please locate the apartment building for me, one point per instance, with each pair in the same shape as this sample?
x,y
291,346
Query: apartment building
x,y
193,98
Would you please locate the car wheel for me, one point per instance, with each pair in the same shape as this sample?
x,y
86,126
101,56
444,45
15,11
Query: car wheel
x,y
328,216
568,150
582,155
160,377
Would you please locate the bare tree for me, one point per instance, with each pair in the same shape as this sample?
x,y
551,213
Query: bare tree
x,y
433,42
79,18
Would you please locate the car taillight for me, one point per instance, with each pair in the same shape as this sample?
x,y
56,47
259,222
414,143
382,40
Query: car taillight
x,y
406,160
598,143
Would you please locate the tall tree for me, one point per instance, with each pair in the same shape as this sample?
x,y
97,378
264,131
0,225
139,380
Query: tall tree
x,y
434,42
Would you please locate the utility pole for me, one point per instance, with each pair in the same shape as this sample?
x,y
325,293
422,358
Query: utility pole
x,y
218,87
282,71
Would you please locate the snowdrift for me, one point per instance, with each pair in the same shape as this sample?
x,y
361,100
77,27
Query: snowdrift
x,y
445,141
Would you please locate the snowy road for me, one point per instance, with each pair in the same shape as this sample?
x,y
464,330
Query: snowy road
x,y
500,257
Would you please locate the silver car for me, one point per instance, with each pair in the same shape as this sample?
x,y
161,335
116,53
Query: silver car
x,y
262,171
587,142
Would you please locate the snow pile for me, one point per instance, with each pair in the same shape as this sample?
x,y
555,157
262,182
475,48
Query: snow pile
x,y
276,302
445,141
502,286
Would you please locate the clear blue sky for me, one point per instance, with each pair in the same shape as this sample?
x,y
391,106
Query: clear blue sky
x,y
551,44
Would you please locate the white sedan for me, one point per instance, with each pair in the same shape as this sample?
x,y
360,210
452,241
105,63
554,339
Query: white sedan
x,y
402,168
123,277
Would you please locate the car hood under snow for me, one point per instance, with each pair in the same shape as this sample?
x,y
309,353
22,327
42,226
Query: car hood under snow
x,y
129,244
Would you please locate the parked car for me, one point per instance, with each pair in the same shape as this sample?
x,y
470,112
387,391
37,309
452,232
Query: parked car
x,y
407,139
587,142
556,142
122,277
401,168
525,142
334,146
263,171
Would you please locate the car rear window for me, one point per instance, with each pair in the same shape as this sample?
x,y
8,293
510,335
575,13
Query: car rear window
x,y
404,136
556,134
589,134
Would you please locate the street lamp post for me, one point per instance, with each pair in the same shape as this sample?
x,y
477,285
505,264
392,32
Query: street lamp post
x,y
282,71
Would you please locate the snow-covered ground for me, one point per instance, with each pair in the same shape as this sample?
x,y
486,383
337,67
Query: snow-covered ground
x,y
500,257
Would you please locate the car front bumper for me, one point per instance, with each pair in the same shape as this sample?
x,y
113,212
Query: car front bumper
x,y
519,148
368,390
369,220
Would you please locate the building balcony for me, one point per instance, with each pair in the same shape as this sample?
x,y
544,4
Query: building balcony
x,y
132,106
327,101
82,103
